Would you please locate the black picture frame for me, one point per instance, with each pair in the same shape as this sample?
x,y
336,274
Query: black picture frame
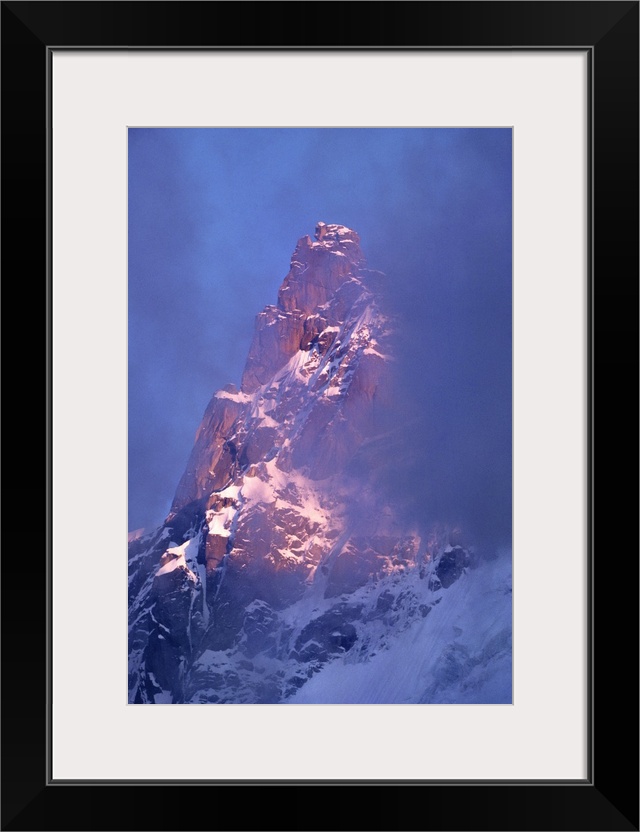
x,y
608,798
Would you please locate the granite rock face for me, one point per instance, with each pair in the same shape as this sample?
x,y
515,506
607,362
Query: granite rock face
x,y
279,555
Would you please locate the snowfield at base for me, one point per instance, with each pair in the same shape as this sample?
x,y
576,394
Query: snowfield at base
x,y
460,653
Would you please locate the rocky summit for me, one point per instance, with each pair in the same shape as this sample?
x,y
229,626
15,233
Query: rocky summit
x,y
284,572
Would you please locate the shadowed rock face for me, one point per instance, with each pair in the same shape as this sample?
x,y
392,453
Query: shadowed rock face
x,y
277,552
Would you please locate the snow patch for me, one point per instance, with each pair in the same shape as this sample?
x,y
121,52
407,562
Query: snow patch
x,y
229,493
258,491
240,397
219,522
187,551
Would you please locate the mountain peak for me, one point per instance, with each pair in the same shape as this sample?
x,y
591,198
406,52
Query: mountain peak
x,y
286,558
332,233
318,268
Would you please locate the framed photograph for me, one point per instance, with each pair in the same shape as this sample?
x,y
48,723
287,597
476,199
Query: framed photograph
x,y
382,564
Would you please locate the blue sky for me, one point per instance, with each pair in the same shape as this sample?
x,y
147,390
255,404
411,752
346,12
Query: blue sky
x,y
214,215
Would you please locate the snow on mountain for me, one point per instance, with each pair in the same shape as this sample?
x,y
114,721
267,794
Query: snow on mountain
x,y
281,573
